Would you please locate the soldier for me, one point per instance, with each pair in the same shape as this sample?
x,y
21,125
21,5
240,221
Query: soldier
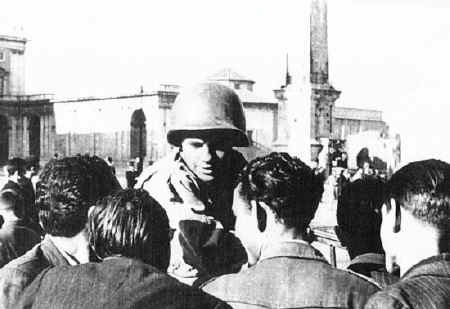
x,y
195,183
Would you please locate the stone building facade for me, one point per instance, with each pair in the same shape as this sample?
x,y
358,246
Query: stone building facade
x,y
133,126
349,121
27,124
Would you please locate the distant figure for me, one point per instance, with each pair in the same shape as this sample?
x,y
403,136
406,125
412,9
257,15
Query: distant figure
x,y
27,182
55,155
365,171
130,233
139,165
416,234
342,161
358,229
15,170
110,163
342,181
16,236
275,201
130,174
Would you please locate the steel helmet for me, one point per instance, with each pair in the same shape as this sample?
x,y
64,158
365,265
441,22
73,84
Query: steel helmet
x,y
208,108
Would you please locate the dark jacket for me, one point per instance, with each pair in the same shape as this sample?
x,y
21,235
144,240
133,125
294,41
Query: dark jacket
x,y
16,238
426,286
373,265
31,212
117,282
292,274
19,273
25,191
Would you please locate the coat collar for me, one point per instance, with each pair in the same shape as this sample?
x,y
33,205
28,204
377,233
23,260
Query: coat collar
x,y
291,248
51,252
369,258
436,265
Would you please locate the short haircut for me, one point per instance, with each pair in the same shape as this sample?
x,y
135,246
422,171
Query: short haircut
x,y
15,165
287,185
12,201
66,190
358,210
423,189
131,223
31,163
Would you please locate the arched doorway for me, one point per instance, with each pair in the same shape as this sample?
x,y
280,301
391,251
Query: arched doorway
x,y
4,139
138,135
34,136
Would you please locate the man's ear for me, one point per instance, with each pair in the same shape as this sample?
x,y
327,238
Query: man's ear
x,y
392,215
259,213
90,209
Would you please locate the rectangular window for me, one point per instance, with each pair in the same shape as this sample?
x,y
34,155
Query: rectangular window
x,y
2,55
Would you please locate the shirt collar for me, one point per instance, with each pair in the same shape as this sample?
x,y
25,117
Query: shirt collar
x,y
435,265
290,248
52,253
369,258
71,259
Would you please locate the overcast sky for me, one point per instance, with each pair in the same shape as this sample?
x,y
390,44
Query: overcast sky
x,y
387,55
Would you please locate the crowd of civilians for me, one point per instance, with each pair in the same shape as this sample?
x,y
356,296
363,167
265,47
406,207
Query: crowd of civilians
x,y
76,239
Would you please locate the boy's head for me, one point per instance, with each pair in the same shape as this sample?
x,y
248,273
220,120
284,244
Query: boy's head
x,y
131,223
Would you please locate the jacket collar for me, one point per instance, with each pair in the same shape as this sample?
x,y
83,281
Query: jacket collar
x,y
435,265
290,248
369,258
51,252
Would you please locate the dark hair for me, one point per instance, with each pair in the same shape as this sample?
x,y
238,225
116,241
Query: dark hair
x,y
12,201
109,159
66,190
15,165
31,163
423,189
287,185
358,211
133,224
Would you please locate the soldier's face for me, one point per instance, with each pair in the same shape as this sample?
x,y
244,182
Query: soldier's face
x,y
205,156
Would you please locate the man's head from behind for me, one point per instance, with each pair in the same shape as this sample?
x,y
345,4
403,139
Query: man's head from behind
x,y
11,204
131,223
67,188
15,168
277,196
417,209
359,216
